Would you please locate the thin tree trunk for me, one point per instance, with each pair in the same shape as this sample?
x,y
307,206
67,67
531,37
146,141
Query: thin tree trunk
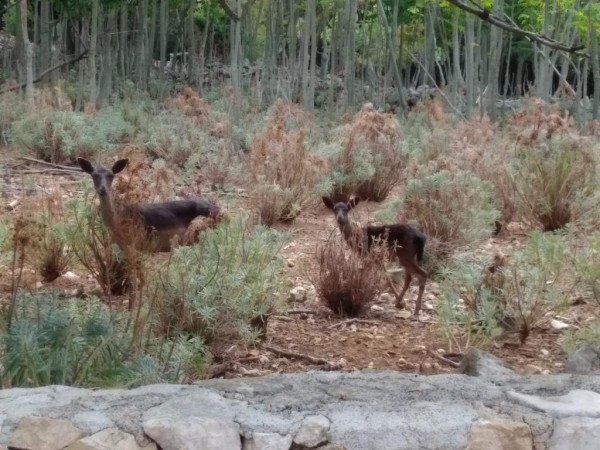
x,y
429,57
595,63
123,34
28,46
163,36
470,64
350,53
45,39
495,56
93,49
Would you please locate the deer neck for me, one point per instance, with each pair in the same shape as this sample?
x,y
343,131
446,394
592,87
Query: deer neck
x,y
352,234
107,212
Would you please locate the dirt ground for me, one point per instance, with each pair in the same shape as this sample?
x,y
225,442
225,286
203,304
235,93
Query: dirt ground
x,y
307,335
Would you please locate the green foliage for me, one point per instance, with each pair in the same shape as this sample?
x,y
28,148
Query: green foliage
x,y
57,135
82,343
516,298
56,341
218,286
455,209
587,267
556,183
466,306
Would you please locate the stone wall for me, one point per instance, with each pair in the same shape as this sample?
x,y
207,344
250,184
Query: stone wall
x,y
326,410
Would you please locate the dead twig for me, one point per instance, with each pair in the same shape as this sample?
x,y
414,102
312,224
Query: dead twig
x,y
289,354
301,311
282,318
444,359
349,321
46,163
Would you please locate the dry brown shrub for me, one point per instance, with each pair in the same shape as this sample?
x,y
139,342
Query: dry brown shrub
x,y
191,105
141,182
283,171
39,235
347,281
370,138
538,120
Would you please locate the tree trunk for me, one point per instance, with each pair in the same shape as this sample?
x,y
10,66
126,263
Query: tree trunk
x,y
470,64
92,57
45,39
28,47
164,23
495,56
595,64
429,57
350,53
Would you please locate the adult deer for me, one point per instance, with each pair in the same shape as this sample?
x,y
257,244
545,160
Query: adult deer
x,y
405,241
161,222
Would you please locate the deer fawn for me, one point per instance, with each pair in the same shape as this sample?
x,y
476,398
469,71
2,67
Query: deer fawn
x,y
160,221
405,241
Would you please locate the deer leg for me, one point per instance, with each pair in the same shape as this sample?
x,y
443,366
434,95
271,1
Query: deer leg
x,y
422,276
400,298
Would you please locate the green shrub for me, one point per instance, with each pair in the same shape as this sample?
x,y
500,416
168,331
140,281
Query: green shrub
x,y
534,286
82,343
556,183
59,135
455,209
221,285
369,161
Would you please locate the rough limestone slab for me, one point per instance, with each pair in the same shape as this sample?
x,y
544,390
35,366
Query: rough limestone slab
x,y
313,431
577,402
500,434
194,433
41,433
109,439
268,441
575,433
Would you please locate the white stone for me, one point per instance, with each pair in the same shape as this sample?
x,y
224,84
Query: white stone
x,y
193,433
268,441
313,431
298,294
41,433
558,325
575,433
576,403
500,434
109,439
377,308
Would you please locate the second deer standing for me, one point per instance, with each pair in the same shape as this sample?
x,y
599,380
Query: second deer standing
x,y
405,241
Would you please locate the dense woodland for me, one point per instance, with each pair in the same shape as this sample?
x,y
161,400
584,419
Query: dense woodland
x,y
338,53
474,121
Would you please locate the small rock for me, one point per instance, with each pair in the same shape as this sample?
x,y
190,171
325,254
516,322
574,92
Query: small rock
x,y
39,285
478,363
313,431
577,402
42,433
109,439
297,294
532,369
70,275
268,441
545,353
500,434
404,314
377,308
191,433
290,263
13,204
558,325
386,298
584,360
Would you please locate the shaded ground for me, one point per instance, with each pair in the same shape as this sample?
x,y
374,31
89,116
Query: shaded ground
x,y
384,340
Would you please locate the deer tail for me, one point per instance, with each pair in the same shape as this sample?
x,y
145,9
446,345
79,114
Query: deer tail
x,y
420,247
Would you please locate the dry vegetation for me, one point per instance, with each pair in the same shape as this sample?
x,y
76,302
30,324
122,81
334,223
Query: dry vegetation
x,y
510,210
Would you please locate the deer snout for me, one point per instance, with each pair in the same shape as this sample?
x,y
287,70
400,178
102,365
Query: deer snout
x,y
102,191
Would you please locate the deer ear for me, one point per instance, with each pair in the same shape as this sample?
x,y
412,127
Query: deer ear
x,y
328,202
353,202
85,165
119,165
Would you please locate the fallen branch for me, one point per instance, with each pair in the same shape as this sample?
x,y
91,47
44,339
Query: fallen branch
x,y
444,359
282,318
289,354
45,163
349,321
485,15
46,171
301,311
46,72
